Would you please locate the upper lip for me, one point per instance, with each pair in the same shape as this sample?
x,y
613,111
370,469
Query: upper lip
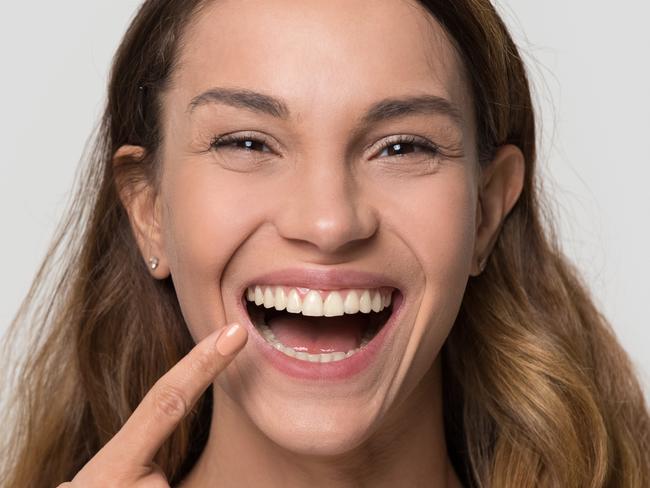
x,y
323,279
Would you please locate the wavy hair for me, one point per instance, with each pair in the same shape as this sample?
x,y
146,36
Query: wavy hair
x,y
537,390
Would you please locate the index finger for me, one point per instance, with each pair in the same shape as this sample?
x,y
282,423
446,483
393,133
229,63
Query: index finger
x,y
173,395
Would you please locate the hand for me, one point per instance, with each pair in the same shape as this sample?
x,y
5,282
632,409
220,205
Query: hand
x,y
127,459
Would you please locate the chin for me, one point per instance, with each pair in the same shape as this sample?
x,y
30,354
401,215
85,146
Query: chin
x,y
311,433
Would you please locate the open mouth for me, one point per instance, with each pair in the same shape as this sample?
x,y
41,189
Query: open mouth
x,y
318,325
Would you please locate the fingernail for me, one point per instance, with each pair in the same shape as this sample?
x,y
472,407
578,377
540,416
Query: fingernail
x,y
231,340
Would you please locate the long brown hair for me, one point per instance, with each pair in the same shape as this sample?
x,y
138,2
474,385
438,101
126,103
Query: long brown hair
x,y
537,390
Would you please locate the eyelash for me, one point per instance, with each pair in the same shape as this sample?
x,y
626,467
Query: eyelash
x,y
413,140
392,141
230,139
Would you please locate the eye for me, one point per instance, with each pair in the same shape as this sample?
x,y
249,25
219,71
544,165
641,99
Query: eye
x,y
400,146
397,146
247,143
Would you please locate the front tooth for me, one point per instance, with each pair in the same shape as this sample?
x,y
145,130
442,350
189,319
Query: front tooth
x,y
333,305
376,302
250,294
280,298
269,300
289,351
351,304
365,304
312,305
388,299
325,357
312,358
294,305
259,296
302,355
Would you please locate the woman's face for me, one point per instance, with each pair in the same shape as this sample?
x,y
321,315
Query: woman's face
x,y
328,188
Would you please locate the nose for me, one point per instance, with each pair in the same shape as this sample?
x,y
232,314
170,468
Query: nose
x,y
326,209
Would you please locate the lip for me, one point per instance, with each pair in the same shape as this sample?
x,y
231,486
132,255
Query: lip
x,y
323,372
323,279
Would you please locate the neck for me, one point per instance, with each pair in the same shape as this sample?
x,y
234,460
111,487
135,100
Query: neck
x,y
408,449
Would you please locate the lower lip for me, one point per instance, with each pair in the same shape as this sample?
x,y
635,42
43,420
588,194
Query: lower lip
x,y
334,370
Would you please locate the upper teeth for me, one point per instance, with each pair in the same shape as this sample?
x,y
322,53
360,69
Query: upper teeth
x,y
317,303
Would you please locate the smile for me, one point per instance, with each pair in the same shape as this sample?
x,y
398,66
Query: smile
x,y
318,340
320,324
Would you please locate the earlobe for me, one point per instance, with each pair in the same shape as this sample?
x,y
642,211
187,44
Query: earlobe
x,y
501,185
142,206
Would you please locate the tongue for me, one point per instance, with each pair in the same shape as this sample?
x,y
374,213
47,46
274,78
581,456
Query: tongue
x,y
317,335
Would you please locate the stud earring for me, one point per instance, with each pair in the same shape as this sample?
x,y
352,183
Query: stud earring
x,y
153,262
482,263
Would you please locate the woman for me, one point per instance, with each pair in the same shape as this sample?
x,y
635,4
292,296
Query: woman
x,y
349,189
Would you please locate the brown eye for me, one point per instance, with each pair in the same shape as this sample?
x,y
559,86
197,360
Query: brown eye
x,y
247,143
403,146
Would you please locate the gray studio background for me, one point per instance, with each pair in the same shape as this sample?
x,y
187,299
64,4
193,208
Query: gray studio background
x,y
591,74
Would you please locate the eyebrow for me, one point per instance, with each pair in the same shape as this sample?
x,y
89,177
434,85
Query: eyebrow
x,y
389,108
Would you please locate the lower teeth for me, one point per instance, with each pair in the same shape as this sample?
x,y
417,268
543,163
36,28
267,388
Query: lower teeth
x,y
268,335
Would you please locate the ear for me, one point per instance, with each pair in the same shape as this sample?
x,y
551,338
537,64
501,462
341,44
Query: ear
x,y
501,183
142,205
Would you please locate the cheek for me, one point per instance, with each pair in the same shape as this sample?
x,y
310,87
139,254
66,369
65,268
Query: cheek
x,y
445,249
445,231
435,216
206,220
437,223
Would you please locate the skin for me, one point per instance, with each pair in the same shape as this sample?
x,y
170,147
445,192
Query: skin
x,y
317,197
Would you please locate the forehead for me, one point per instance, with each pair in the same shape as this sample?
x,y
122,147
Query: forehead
x,y
320,54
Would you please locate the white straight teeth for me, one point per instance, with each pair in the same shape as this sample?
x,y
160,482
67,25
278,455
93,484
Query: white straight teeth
x,y
317,303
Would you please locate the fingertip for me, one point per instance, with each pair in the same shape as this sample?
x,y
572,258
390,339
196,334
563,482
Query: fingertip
x,y
232,339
